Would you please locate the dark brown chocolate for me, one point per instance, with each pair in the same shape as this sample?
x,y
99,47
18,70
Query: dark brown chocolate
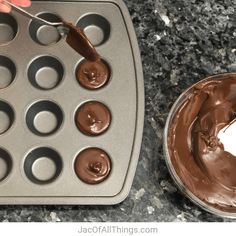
x,y
92,75
93,118
77,39
92,165
196,153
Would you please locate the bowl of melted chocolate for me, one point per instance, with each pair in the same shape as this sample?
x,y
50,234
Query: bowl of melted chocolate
x,y
199,143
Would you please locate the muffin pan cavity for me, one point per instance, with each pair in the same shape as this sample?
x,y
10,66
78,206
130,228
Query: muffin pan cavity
x,y
93,75
6,117
44,118
45,34
5,164
8,28
96,27
7,71
45,72
93,118
92,165
43,165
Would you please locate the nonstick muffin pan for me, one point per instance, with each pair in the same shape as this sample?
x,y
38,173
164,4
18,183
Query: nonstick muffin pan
x,y
46,155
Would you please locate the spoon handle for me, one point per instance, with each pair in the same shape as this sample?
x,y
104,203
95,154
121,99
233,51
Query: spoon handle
x,y
33,17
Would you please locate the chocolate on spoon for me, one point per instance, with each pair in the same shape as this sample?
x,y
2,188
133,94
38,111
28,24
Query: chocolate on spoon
x,y
77,39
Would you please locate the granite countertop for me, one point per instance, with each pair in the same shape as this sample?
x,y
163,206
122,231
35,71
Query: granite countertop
x,y
181,42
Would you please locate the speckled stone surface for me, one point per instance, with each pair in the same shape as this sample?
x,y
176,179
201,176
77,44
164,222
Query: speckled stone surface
x,y
181,42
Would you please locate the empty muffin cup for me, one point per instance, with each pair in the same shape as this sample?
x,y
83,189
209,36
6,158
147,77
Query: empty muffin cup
x,y
45,34
8,28
5,164
7,71
93,118
96,28
6,116
44,118
45,72
43,165
92,165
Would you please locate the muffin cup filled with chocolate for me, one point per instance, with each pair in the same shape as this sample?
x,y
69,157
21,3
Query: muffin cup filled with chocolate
x,y
92,165
93,118
92,74
199,160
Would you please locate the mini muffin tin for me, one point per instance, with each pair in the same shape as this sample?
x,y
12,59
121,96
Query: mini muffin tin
x,y
40,96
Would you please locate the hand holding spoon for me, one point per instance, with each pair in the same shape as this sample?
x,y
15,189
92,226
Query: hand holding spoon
x,y
75,37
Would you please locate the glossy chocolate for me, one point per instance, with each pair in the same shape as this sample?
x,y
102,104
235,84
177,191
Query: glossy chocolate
x,y
92,75
93,118
92,165
196,153
77,39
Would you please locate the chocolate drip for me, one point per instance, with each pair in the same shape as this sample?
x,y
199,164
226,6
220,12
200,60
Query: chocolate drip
x,y
77,39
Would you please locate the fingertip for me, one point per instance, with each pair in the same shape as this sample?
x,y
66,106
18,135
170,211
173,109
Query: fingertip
x,y
4,8
26,3
22,3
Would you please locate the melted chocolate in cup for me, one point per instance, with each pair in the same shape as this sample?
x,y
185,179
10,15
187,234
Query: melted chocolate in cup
x,y
92,75
93,118
195,152
92,165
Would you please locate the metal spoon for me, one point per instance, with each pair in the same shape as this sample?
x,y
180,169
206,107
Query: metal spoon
x,y
33,17
75,37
